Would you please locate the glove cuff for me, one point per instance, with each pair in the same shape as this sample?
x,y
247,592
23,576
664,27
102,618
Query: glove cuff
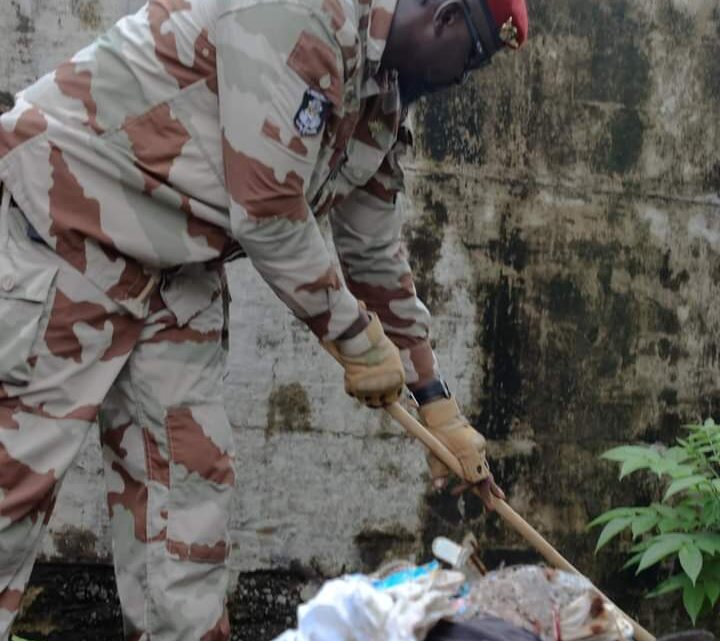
x,y
364,341
440,412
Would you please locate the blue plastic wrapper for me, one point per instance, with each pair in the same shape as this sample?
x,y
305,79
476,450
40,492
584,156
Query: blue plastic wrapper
x,y
403,576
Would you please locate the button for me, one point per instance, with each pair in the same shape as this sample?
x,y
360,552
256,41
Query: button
x,y
7,283
325,81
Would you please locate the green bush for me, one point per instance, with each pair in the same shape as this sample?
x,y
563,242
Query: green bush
x,y
682,532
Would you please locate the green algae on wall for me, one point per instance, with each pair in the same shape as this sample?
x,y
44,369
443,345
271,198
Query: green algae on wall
x,y
88,12
289,409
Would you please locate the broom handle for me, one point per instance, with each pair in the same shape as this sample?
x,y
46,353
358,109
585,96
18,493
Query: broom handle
x,y
510,516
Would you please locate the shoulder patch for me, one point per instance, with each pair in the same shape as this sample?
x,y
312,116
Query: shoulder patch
x,y
313,113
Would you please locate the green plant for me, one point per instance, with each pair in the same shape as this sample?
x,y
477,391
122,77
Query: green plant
x,y
682,531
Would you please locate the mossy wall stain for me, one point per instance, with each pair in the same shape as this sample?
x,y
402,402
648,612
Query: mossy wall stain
x,y
711,180
88,12
424,239
75,543
7,101
591,283
582,342
289,409
463,113
674,21
500,334
621,149
377,546
25,24
614,35
576,97
510,248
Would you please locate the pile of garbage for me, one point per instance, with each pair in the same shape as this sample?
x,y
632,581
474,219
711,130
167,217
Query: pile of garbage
x,y
435,602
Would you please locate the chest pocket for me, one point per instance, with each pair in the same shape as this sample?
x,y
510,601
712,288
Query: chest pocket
x,y
332,160
373,138
360,143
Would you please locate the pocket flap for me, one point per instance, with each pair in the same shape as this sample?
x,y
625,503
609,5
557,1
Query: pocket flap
x,y
363,162
22,281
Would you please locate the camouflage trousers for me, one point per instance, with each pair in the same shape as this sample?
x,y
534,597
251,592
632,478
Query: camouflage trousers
x,y
71,356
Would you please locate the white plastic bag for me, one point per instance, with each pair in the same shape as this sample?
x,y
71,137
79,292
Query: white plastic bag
x,y
352,608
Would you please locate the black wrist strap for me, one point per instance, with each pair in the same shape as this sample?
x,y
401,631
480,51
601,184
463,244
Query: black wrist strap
x,y
431,392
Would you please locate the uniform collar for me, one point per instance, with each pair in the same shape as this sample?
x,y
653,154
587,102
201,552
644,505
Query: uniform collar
x,y
380,17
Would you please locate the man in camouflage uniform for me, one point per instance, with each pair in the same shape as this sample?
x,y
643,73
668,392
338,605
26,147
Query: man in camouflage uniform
x,y
189,133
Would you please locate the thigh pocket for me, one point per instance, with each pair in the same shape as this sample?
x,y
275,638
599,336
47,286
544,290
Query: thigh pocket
x,y
24,293
202,478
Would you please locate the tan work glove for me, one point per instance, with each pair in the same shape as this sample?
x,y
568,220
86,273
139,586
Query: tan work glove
x,y
445,420
374,373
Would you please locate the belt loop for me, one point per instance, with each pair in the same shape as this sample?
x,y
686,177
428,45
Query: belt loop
x,y
4,216
136,305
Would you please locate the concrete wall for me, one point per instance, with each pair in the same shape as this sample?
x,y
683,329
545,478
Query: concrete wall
x,y
566,235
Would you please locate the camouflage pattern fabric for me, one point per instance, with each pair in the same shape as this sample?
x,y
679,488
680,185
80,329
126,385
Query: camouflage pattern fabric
x,y
180,135
70,354
190,131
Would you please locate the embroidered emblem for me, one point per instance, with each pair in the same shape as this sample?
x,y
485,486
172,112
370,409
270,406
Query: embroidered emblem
x,y
313,113
509,34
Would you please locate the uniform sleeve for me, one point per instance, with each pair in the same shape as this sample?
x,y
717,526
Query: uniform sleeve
x,y
269,58
367,228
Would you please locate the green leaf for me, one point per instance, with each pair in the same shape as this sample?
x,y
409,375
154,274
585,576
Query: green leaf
x,y
713,565
613,514
668,526
712,571
664,510
644,523
693,597
691,560
707,542
677,454
679,471
633,560
712,591
680,485
677,582
611,530
626,452
632,465
643,545
686,511
664,546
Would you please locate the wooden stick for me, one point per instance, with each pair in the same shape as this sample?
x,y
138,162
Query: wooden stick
x,y
510,516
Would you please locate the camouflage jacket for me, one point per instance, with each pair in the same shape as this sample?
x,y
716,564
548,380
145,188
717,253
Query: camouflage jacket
x,y
195,126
